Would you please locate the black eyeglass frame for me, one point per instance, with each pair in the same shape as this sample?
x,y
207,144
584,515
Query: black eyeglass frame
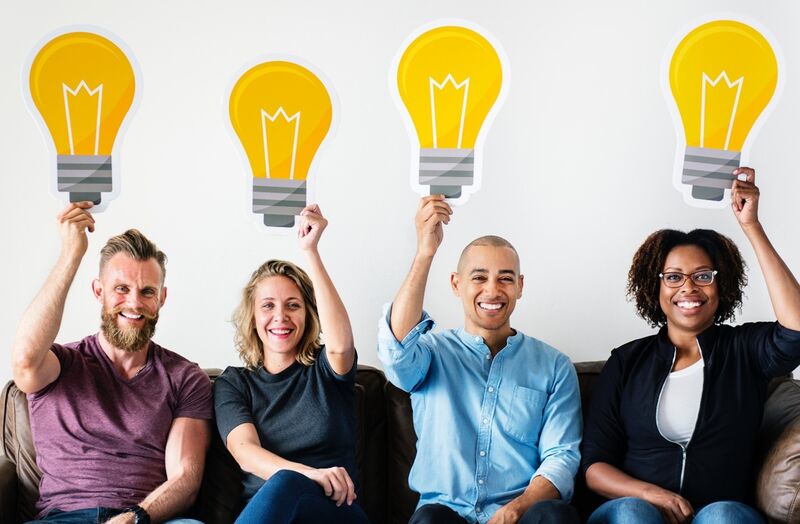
x,y
688,276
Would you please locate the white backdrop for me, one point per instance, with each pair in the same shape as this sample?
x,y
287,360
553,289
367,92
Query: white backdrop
x,y
577,165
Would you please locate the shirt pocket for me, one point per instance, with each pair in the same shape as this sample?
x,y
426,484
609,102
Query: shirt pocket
x,y
523,412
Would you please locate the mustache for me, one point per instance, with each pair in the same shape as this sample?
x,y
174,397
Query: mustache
x,y
119,309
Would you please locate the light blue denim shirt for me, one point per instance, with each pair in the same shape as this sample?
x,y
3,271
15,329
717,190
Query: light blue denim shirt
x,y
485,427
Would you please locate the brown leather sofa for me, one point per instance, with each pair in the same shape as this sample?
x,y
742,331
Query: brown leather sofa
x,y
386,449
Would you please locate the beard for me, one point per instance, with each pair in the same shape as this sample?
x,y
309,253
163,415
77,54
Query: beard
x,y
129,339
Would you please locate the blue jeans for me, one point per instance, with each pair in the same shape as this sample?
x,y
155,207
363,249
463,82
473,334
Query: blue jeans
x,y
92,516
630,510
544,512
289,497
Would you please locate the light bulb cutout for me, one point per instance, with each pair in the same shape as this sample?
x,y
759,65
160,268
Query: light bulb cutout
x,y
83,86
450,80
281,112
722,76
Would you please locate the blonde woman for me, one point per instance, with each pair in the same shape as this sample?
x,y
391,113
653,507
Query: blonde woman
x,y
288,416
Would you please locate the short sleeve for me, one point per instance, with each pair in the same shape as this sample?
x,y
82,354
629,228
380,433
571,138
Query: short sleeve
x,y
194,395
349,377
65,356
232,402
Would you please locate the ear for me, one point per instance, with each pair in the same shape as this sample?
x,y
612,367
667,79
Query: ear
x,y
521,285
454,282
97,289
163,295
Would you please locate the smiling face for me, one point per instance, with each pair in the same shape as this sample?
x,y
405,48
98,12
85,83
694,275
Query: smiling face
x,y
689,309
132,293
280,318
489,284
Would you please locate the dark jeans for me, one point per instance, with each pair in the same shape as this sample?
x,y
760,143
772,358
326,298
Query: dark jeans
x,y
92,516
289,497
544,512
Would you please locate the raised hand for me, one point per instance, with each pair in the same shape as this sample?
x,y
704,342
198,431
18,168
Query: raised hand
x,y
335,482
312,224
744,196
73,221
432,213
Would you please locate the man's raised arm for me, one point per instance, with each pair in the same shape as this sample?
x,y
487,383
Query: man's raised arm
x,y
34,366
407,306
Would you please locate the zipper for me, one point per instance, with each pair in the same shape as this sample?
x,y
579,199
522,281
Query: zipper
x,y
699,408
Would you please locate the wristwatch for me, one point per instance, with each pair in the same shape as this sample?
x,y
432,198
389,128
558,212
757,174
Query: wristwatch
x,y
140,516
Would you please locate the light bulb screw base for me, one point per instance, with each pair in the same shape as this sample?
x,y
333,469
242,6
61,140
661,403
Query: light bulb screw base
x,y
446,170
708,171
84,177
278,200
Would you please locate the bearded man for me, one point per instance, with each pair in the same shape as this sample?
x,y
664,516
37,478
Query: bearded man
x,y
119,423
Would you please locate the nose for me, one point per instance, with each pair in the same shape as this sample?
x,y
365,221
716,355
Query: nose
x,y
688,284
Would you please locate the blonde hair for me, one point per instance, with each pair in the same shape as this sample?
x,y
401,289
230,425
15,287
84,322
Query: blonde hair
x,y
248,344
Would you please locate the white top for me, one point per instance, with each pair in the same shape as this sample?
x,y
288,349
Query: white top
x,y
679,403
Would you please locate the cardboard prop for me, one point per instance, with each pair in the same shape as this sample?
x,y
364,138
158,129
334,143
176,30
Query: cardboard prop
x,y
448,83
83,85
722,76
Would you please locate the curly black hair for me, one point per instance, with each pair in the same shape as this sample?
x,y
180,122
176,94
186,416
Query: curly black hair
x,y
644,284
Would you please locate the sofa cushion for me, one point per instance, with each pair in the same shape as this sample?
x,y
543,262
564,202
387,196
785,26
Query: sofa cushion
x,y
18,447
778,485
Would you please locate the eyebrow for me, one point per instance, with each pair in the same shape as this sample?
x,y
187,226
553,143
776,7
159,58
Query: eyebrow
x,y
273,298
502,271
679,270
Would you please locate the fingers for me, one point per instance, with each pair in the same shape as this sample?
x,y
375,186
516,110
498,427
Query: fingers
x,y
351,488
338,485
77,214
743,189
434,210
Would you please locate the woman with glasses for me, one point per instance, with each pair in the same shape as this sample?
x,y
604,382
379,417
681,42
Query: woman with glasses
x,y
288,416
673,420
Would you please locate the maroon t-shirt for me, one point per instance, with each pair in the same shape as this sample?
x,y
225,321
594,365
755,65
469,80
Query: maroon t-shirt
x,y
99,438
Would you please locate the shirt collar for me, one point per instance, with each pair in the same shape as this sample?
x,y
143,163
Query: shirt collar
x,y
476,342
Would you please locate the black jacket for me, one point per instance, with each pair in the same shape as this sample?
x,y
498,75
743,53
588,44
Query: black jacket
x,y
718,464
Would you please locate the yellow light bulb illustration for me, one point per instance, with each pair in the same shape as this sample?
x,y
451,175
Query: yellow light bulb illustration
x,y
722,75
281,113
449,78
83,85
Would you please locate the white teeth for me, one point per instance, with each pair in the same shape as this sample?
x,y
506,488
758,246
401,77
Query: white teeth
x,y
130,315
280,331
490,307
688,305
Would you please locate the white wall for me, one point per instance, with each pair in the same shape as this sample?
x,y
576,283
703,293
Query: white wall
x,y
577,166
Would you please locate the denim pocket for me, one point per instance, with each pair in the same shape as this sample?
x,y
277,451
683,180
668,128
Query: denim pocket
x,y
524,414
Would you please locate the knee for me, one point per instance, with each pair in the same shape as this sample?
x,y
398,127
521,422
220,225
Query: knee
x,y
727,511
289,482
434,514
550,511
626,510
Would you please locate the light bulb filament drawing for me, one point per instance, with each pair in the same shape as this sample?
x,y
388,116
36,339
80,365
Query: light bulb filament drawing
x,y
288,119
704,105
459,114
75,93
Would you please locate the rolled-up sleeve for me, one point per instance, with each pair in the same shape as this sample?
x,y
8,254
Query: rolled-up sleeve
x,y
560,439
405,362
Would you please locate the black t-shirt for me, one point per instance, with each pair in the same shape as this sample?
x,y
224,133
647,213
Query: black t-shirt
x,y
305,414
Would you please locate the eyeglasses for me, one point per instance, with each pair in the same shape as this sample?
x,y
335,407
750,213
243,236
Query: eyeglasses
x,y
677,279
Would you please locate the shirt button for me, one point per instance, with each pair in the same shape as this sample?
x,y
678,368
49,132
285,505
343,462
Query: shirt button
x,y
488,357
480,481
486,421
491,389
477,510
482,453
478,340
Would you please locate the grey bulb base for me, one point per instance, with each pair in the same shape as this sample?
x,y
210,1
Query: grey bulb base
x,y
84,177
709,171
446,170
278,200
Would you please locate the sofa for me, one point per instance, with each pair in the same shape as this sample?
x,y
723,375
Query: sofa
x,y
386,448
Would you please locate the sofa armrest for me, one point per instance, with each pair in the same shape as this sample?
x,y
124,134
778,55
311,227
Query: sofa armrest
x,y
778,484
8,491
